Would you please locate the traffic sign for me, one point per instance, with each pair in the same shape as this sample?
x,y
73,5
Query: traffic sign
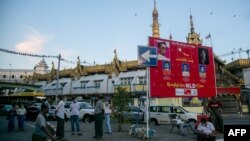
x,y
147,56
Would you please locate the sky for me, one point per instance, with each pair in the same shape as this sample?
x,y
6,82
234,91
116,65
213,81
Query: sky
x,y
93,29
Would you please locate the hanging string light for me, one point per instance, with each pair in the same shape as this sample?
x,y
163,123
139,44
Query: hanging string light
x,y
27,54
74,62
43,56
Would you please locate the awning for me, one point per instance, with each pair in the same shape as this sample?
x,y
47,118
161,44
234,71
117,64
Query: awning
x,y
228,90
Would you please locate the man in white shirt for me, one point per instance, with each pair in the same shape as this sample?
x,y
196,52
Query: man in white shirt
x,y
74,118
107,109
205,131
162,49
21,117
60,118
185,70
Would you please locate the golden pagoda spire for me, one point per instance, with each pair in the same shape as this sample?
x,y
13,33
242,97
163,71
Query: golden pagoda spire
x,y
155,26
193,38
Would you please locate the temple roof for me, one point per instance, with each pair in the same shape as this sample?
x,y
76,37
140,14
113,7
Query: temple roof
x,y
42,64
193,37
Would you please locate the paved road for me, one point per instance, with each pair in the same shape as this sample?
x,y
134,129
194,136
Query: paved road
x,y
87,129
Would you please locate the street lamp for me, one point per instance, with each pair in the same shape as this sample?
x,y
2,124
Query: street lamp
x,y
10,70
57,76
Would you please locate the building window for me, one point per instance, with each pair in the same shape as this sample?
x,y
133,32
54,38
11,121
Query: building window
x,y
142,80
84,84
126,81
97,83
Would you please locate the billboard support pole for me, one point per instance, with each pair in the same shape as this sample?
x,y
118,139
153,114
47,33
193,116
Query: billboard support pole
x,y
147,105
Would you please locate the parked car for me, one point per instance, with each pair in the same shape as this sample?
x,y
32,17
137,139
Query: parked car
x,y
160,114
86,112
134,114
38,105
4,109
51,115
66,110
32,113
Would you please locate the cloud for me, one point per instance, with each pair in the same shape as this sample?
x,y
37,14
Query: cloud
x,y
33,42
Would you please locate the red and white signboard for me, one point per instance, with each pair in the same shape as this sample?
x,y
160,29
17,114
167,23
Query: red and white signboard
x,y
184,70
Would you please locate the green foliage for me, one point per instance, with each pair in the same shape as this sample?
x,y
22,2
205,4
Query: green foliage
x,y
120,103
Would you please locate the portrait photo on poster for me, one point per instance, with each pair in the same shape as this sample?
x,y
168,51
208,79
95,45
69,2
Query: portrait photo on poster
x,y
185,69
202,71
166,65
203,56
163,47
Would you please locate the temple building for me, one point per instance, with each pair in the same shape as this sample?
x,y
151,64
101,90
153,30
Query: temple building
x,y
41,67
87,82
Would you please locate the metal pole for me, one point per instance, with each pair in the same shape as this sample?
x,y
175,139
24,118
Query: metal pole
x,y
147,105
57,77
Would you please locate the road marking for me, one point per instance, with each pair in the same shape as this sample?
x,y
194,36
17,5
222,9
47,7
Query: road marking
x,y
30,125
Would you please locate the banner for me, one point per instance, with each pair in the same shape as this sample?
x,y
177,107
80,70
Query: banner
x,y
183,70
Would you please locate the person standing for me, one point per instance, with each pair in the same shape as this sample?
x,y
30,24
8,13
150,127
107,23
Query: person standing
x,y
60,118
74,118
98,114
214,108
21,117
107,109
11,116
41,131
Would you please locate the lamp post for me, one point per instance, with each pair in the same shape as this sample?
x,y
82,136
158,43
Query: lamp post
x,y
57,76
10,70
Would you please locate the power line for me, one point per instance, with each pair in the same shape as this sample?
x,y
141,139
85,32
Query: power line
x,y
239,51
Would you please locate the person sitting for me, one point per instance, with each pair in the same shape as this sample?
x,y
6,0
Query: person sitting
x,y
182,124
205,131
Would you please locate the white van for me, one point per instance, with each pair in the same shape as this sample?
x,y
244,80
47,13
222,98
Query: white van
x,y
159,114
86,112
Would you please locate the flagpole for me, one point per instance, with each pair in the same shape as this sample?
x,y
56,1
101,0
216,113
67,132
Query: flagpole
x,y
211,40
147,105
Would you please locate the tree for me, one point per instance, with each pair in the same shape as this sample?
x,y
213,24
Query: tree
x,y
121,102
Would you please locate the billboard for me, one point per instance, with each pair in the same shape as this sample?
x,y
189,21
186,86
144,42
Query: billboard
x,y
183,70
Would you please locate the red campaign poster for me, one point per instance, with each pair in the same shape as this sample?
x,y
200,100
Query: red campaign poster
x,y
184,70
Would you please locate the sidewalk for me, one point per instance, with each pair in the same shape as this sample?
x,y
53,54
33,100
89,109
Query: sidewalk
x,y
162,134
